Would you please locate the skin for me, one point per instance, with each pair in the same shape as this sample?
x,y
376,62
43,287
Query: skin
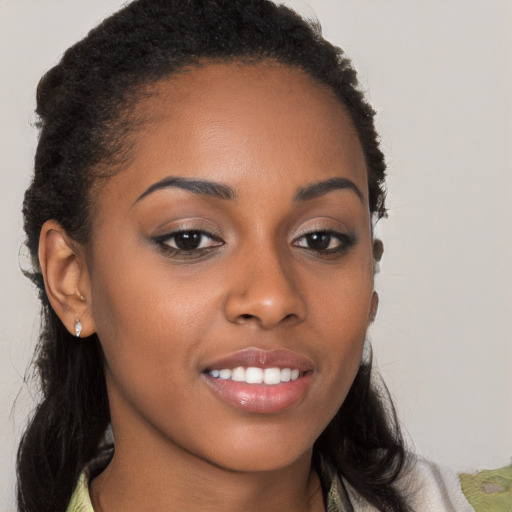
x,y
266,131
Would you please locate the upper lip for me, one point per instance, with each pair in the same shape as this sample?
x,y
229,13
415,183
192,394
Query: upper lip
x,y
255,357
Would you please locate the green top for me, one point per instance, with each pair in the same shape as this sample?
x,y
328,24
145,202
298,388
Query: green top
x,y
80,500
489,490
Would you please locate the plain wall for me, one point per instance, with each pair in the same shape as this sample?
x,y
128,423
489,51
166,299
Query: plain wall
x,y
439,73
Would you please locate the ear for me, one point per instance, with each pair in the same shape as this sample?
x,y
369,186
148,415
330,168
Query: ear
x,y
378,250
374,306
66,278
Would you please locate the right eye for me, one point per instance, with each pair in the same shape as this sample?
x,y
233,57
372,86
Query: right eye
x,y
188,242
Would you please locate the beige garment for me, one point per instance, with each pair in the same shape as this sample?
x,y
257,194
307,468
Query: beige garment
x,y
428,487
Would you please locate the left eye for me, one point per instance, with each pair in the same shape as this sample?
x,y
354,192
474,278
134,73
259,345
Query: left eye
x,y
324,241
188,241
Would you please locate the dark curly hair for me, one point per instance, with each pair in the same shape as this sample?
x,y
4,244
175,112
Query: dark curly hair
x,y
87,121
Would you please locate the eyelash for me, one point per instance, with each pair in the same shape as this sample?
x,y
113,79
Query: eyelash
x,y
163,242
345,242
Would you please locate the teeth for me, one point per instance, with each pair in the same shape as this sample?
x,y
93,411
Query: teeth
x,y
286,375
238,374
272,376
254,375
225,374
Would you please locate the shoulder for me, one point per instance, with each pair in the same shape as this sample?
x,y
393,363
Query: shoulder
x,y
428,487
433,487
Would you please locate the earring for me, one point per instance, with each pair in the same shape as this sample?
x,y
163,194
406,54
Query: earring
x,y
78,328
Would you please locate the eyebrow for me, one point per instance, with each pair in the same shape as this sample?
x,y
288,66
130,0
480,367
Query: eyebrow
x,y
199,187
321,188
221,191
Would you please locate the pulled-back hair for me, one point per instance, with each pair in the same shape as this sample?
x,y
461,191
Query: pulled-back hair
x,y
87,121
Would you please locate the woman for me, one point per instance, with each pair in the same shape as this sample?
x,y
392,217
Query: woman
x,y
201,224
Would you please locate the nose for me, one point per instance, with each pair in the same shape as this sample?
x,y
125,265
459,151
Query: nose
x,y
264,292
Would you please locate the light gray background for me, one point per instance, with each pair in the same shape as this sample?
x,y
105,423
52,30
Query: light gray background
x,y
440,75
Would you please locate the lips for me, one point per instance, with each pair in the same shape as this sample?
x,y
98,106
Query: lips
x,y
260,381
280,358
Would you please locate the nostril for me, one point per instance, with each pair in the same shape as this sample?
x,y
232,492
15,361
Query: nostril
x,y
247,317
264,307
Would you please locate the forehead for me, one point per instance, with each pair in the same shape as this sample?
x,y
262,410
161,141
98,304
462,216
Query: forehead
x,y
246,125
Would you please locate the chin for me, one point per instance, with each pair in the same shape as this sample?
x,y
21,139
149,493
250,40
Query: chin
x,y
260,452
260,462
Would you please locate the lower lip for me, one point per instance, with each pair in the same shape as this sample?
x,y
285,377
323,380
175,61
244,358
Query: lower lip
x,y
260,398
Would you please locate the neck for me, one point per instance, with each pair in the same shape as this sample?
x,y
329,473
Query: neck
x,y
152,474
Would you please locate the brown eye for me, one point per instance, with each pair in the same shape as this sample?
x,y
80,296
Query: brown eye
x,y
326,242
188,241
318,241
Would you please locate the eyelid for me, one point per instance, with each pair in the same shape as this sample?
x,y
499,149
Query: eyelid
x,y
321,224
341,235
186,224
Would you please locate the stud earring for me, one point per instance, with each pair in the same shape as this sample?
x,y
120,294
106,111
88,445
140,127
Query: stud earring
x,y
78,328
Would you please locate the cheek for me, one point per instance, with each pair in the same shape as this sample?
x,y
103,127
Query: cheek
x,y
151,322
139,317
342,319
149,335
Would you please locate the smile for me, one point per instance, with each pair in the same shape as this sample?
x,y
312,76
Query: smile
x,y
255,375
260,381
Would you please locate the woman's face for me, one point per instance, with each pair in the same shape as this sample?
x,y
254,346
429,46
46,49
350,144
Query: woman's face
x,y
237,237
